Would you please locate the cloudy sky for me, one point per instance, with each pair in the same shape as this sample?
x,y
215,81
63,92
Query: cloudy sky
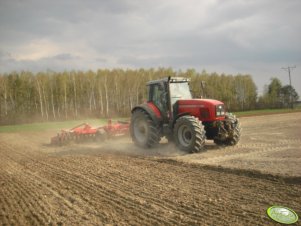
x,y
256,37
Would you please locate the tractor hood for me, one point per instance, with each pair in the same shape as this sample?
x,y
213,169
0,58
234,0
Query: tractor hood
x,y
200,103
204,109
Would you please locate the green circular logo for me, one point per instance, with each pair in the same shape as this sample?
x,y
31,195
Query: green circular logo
x,y
282,214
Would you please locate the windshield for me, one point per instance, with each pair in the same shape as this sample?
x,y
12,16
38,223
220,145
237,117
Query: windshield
x,y
179,91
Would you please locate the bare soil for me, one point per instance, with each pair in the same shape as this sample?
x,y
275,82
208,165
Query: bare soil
x,y
116,183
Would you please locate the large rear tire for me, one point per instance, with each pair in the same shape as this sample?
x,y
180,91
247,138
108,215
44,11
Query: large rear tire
x,y
189,134
144,131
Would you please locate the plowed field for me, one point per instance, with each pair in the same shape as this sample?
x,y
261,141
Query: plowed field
x,y
115,183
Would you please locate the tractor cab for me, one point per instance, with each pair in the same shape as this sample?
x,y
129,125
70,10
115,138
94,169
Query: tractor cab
x,y
172,97
164,94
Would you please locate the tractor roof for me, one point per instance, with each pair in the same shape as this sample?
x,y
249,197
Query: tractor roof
x,y
168,79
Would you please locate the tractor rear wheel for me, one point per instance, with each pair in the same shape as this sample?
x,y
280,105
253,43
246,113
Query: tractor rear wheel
x,y
189,134
144,131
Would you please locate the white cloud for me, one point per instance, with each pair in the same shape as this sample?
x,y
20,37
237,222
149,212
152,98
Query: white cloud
x,y
257,37
36,49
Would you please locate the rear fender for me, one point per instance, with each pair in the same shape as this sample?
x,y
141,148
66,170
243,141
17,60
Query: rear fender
x,y
157,118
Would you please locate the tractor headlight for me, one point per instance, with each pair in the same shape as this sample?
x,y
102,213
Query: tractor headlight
x,y
220,110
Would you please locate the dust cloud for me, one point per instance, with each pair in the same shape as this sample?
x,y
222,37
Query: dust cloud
x,y
121,146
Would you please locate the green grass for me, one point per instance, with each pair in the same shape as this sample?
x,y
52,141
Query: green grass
x,y
266,112
56,126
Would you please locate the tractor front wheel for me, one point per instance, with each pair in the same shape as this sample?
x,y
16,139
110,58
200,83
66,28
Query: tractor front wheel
x,y
231,132
189,134
144,131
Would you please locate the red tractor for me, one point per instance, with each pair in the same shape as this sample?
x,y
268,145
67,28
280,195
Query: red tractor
x,y
171,112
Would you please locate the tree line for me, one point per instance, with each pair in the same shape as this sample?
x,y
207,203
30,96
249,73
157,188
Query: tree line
x,y
277,95
47,96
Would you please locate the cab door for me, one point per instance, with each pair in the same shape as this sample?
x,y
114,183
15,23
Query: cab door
x,y
158,95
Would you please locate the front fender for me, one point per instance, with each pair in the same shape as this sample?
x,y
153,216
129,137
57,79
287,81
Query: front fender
x,y
176,118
